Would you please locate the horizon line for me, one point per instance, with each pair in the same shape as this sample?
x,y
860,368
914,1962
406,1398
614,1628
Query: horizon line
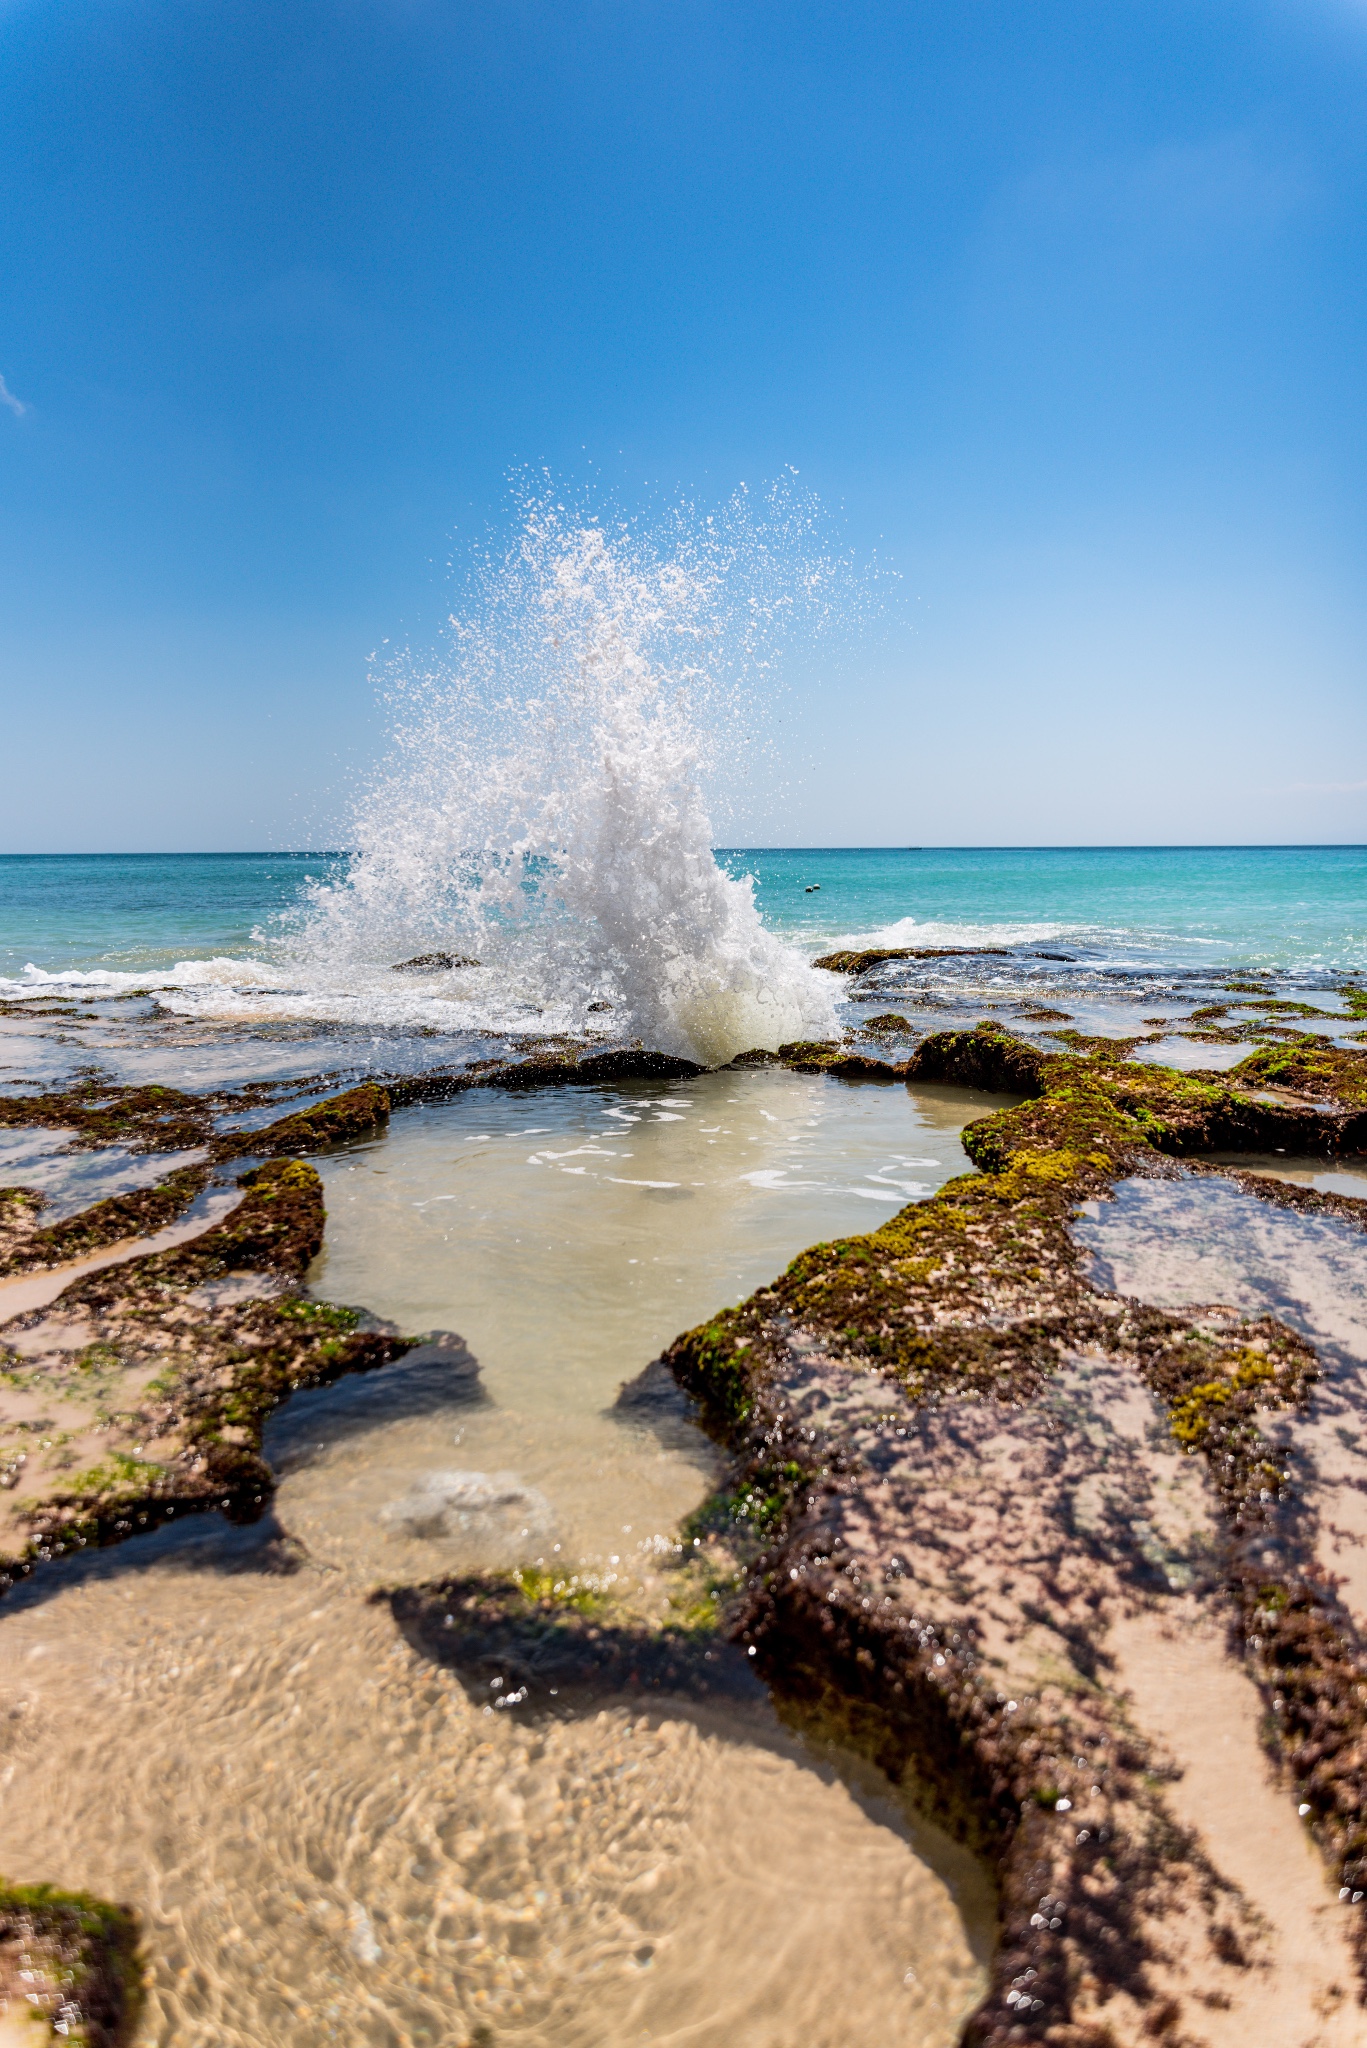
x,y
1075,846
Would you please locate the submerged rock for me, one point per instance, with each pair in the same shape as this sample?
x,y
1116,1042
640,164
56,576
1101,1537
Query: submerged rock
x,y
533,1641
445,1505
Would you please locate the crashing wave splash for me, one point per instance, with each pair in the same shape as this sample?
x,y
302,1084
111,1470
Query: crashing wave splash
x,y
540,822
543,814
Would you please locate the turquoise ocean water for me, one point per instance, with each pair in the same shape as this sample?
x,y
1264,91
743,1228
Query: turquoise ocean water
x,y
1299,910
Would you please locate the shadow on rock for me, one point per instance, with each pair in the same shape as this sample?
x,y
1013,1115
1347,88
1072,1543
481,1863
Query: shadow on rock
x,y
514,1645
654,1400
205,1543
438,1372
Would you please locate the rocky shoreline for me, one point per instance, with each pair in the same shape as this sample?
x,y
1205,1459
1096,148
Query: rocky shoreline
x,y
960,1468
923,1412
960,1471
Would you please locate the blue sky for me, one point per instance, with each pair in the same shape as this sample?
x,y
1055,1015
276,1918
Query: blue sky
x,y
1062,307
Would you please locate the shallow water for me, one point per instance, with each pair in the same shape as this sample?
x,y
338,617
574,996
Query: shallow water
x,y
1179,1243
568,1236
1344,1177
20,1292
328,1842
1188,1242
327,1839
72,1179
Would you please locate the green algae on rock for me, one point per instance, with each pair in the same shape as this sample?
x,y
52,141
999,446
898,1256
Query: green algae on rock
x,y
100,1112
335,1121
829,1056
26,1245
142,1391
887,1024
148,1119
1313,1067
69,1966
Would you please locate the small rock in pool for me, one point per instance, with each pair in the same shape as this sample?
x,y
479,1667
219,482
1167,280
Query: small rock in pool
x,y
475,1504
363,1944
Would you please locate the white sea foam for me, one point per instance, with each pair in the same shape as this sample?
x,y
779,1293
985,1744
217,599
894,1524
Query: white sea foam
x,y
911,931
220,976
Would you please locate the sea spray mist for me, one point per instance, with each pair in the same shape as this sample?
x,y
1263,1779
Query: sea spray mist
x,y
543,808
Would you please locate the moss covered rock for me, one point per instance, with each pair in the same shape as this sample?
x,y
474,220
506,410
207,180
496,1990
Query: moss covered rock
x,y
69,1966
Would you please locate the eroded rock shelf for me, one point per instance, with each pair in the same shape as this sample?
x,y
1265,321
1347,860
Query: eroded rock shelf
x,y
984,1517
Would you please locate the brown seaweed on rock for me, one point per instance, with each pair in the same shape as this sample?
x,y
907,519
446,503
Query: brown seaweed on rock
x,y
27,1245
874,956
336,1121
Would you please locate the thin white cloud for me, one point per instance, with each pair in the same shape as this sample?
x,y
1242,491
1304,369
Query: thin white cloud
x,y
1328,788
1224,183
7,397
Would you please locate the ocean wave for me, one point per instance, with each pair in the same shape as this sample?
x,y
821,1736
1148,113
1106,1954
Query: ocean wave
x,y
218,971
911,931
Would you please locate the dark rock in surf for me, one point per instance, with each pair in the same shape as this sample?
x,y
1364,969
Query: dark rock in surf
x,y
628,1063
827,1056
432,963
859,963
888,1024
333,1122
